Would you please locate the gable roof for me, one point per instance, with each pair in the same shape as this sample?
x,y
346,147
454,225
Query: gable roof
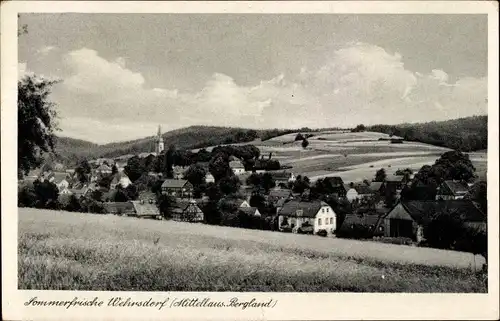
x,y
363,189
60,176
234,201
174,183
181,205
362,219
335,180
248,210
280,175
455,188
421,211
145,208
119,207
236,164
394,178
146,195
309,209
375,186
280,193
118,177
103,168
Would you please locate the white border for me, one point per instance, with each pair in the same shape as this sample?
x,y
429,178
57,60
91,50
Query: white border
x,y
291,306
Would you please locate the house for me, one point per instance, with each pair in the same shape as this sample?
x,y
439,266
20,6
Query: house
x,y
282,177
278,194
237,167
187,211
65,191
359,192
250,211
317,214
147,208
80,192
179,171
146,196
119,208
120,179
209,178
373,222
452,190
103,169
120,165
395,181
146,154
237,202
408,218
376,187
177,187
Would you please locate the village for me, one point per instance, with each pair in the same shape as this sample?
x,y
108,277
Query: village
x,y
257,195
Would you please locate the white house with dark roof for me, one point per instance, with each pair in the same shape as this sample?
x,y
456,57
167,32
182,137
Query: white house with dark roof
x,y
237,167
297,214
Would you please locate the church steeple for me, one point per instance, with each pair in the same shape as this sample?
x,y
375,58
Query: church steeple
x,y
159,142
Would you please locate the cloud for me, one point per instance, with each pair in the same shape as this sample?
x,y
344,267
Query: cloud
x,y
358,83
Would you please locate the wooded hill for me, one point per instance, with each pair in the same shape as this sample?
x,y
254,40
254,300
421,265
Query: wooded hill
x,y
464,134
69,150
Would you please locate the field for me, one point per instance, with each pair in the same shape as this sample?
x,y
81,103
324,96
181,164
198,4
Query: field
x,y
73,251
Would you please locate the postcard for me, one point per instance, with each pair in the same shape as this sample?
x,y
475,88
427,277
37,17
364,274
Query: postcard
x,y
249,160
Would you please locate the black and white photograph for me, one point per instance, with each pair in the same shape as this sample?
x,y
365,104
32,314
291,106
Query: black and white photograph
x,y
263,152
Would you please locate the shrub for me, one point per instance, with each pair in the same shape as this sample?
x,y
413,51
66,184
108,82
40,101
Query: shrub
x,y
323,233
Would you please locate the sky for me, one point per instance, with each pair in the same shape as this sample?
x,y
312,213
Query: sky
x,y
122,75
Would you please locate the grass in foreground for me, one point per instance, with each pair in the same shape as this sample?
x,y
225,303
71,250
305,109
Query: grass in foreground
x,y
67,251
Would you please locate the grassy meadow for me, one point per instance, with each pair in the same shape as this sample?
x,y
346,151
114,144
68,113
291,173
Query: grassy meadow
x,y
72,251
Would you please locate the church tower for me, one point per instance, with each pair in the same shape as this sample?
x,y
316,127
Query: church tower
x,y
159,142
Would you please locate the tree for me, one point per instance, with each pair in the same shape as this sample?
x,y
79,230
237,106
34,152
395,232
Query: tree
x,y
36,122
114,170
229,185
219,167
195,174
168,162
166,204
47,194
73,204
305,143
258,200
301,184
120,195
443,230
134,169
359,128
380,175
82,171
27,197
299,137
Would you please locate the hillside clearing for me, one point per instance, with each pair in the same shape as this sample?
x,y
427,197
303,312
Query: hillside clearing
x,y
72,251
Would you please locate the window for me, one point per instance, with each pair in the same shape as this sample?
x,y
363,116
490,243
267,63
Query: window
x,y
331,220
319,221
322,210
327,209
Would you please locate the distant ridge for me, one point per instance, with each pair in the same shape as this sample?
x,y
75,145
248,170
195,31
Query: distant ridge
x,y
468,132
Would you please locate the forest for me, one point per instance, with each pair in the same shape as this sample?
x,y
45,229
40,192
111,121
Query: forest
x,y
463,134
